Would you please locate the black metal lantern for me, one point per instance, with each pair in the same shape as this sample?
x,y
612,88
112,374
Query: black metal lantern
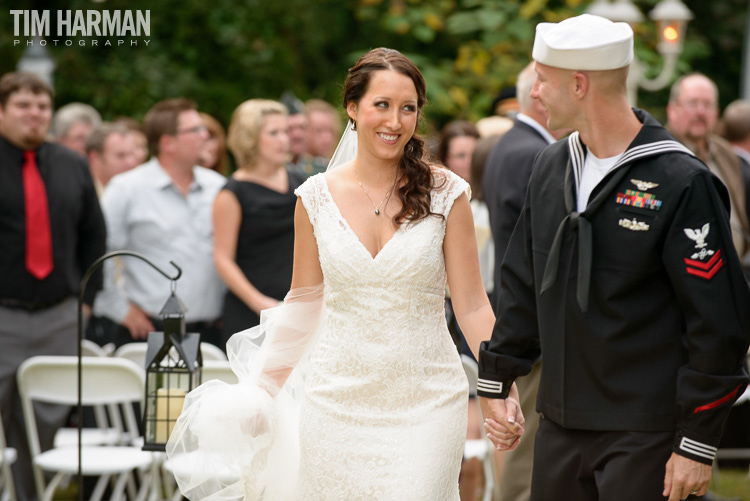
x,y
173,369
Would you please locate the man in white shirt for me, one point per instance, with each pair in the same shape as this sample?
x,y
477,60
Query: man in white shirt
x,y
162,209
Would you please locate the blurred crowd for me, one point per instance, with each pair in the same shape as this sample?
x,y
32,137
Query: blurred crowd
x,y
220,203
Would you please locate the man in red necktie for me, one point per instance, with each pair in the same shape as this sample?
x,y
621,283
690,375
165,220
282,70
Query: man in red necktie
x,y
51,231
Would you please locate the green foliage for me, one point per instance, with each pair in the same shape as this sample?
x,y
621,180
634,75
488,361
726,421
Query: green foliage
x,y
222,52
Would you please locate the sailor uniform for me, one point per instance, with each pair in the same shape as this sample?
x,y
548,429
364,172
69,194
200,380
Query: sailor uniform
x,y
638,304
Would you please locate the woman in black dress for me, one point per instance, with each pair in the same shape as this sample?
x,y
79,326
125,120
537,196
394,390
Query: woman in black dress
x,y
254,215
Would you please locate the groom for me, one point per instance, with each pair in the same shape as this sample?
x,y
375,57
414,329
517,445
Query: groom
x,y
621,273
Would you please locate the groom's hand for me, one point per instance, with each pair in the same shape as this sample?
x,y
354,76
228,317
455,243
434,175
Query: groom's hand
x,y
503,420
684,477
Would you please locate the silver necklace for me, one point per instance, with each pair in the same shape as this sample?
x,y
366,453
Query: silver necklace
x,y
387,195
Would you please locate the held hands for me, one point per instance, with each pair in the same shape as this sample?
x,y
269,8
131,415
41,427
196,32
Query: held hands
x,y
255,425
503,420
257,412
684,477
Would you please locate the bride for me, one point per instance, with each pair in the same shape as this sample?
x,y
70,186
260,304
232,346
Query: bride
x,y
383,410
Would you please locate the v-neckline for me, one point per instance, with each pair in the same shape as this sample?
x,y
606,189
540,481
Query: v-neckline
x,y
348,227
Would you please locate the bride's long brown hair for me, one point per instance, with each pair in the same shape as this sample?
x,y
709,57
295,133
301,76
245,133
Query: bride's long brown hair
x,y
415,192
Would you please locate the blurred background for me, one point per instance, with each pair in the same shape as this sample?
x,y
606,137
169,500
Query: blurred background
x,y
222,52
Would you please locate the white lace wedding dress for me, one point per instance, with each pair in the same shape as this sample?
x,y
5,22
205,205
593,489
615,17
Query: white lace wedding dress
x,y
383,413
385,410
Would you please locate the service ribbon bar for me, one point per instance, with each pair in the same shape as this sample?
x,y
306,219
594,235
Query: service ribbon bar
x,y
638,199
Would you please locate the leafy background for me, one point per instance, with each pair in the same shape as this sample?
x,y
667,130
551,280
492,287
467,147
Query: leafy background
x,y
222,52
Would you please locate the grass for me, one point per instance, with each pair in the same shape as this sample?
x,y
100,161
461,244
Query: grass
x,y
732,483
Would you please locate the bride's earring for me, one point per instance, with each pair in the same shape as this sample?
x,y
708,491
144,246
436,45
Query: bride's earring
x,y
354,125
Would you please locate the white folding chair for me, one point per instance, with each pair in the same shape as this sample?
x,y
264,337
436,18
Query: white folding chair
x,y
103,434
212,352
106,381
137,352
7,458
91,349
480,448
218,369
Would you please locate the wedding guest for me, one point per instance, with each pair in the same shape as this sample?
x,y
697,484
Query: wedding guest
x,y
494,125
736,130
110,151
299,137
73,123
692,114
214,153
51,231
162,209
254,216
138,137
457,142
325,129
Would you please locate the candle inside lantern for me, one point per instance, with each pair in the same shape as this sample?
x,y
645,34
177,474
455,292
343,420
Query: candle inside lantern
x,y
169,404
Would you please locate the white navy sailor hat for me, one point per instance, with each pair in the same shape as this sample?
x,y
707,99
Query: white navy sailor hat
x,y
584,42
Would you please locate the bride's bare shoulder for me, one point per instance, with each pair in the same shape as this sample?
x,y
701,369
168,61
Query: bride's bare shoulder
x,y
341,175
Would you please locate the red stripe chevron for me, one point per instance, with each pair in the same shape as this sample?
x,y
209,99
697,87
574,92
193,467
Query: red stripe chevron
x,y
706,274
702,265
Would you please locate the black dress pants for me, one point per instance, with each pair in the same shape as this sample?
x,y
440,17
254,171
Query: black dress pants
x,y
583,465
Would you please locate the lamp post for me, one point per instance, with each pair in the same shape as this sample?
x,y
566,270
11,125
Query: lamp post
x,y
671,16
36,60
84,281
173,369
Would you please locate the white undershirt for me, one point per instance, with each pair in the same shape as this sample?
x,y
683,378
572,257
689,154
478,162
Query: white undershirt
x,y
594,170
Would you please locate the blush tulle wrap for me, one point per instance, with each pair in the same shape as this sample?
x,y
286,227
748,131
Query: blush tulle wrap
x,y
240,441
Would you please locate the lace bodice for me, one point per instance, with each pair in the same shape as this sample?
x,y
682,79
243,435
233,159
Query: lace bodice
x,y
411,261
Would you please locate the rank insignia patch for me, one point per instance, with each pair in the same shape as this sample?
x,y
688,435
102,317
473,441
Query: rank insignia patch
x,y
695,265
699,236
643,185
638,199
704,270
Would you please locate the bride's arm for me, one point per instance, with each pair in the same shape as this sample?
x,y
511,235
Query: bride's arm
x,y
470,303
307,272
476,318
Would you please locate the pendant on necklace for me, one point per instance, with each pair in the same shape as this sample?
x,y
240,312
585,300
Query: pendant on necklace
x,y
377,211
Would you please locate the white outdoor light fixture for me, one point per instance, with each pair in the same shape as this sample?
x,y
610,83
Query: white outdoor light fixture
x,y
672,17
36,60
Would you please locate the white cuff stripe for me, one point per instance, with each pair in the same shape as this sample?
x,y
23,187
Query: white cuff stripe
x,y
698,448
489,386
488,390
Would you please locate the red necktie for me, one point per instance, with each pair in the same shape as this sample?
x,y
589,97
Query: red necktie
x,y
38,232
